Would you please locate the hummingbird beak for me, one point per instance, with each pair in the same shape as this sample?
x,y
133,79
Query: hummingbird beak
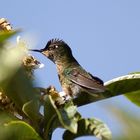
x,y
36,50
46,53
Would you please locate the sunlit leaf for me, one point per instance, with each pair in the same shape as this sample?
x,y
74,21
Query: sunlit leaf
x,y
10,61
128,85
5,35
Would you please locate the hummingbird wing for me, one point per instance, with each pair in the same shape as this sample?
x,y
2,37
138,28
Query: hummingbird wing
x,y
87,81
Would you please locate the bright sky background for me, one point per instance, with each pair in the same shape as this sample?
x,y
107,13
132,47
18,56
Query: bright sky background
x,y
103,34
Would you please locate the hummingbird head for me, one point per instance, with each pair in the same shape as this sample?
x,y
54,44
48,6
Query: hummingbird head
x,y
56,50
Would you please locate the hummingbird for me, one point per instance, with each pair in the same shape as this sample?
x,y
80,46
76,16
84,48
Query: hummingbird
x,y
74,79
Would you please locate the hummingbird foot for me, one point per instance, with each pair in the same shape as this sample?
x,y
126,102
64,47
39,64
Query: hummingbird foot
x,y
65,96
62,99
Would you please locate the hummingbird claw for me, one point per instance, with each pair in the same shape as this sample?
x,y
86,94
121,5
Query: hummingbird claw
x,y
64,95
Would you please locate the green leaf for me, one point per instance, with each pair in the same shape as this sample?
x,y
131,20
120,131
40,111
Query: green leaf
x,y
51,121
89,127
22,93
4,117
13,80
10,61
124,84
5,35
65,116
31,109
128,85
134,97
12,128
16,84
69,116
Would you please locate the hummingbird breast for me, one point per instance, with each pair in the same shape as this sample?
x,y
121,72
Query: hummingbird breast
x,y
70,88
67,85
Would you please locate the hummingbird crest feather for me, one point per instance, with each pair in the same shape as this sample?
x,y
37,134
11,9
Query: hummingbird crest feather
x,y
55,41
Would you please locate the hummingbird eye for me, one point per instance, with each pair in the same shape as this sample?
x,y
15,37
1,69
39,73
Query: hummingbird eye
x,y
53,47
56,46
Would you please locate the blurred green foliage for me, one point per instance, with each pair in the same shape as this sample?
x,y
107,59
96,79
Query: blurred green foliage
x,y
128,120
